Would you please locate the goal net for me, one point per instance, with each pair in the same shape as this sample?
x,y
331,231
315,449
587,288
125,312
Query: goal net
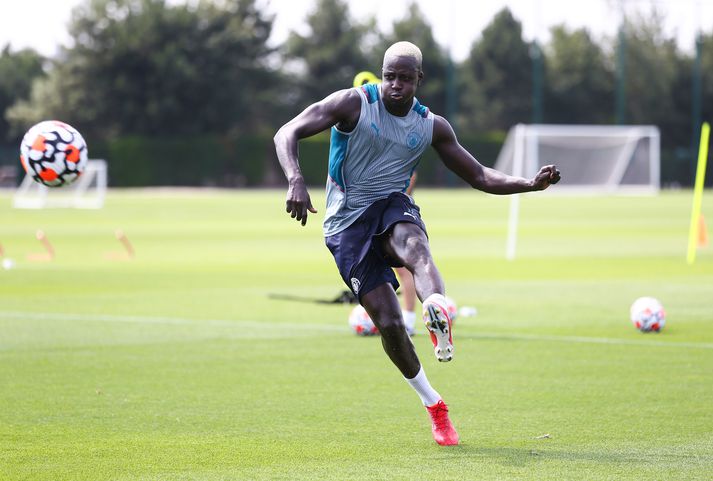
x,y
87,192
593,159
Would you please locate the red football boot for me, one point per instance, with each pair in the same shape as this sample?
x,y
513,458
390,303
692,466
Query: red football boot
x,y
443,431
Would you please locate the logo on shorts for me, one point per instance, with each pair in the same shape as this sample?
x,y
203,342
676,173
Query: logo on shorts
x,y
355,285
412,213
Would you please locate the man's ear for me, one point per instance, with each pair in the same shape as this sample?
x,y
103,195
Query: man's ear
x,y
420,78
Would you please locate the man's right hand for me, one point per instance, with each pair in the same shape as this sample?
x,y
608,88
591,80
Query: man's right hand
x,y
298,203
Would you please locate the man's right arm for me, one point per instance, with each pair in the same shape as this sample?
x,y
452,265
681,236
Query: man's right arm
x,y
342,107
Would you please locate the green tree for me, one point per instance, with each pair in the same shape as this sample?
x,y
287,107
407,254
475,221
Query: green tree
x,y
658,86
579,81
330,54
414,28
707,76
18,70
498,77
687,107
707,88
142,66
652,61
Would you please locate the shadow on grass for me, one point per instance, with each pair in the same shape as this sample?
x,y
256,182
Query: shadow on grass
x,y
524,456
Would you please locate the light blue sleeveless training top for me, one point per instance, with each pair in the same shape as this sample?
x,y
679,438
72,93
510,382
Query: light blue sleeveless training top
x,y
373,160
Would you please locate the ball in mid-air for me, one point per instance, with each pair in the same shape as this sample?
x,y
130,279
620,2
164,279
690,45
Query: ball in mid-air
x,y
53,153
361,323
648,314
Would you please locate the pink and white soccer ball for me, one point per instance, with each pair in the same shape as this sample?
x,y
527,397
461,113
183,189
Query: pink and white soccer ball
x,y
648,314
53,153
361,323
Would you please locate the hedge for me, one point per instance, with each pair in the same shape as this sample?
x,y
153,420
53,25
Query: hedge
x,y
212,160
250,161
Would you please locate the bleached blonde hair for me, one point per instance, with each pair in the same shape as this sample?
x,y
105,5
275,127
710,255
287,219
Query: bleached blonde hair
x,y
404,49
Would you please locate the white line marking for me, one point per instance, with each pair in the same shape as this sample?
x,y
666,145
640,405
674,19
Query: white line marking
x,y
302,326
591,340
50,316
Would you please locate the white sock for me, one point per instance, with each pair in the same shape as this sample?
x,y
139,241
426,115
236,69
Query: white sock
x,y
409,320
423,388
439,299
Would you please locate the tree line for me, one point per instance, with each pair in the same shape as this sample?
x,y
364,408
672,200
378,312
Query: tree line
x,y
146,69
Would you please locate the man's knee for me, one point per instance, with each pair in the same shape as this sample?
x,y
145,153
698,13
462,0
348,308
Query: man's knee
x,y
382,305
391,326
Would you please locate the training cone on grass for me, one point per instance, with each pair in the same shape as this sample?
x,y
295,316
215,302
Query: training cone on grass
x,y
702,232
49,253
128,253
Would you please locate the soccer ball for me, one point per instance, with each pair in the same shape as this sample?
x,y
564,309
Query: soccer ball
x,y
361,323
648,314
53,153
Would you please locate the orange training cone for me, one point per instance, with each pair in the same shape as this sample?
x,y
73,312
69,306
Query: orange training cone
x,y
702,232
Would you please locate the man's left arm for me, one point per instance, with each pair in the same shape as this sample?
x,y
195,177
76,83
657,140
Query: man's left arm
x,y
460,161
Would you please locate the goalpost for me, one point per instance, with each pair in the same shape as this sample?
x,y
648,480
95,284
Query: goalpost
x,y
87,192
593,159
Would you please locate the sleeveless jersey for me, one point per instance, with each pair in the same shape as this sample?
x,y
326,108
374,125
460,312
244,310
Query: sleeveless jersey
x,y
373,160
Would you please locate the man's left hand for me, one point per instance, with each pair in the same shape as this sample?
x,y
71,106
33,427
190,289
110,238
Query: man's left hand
x,y
549,174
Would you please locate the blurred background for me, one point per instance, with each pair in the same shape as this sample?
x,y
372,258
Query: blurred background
x,y
190,93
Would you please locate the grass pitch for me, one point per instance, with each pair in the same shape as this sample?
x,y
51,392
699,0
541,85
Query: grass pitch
x,y
175,365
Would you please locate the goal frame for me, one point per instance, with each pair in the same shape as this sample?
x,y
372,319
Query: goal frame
x,y
521,146
87,192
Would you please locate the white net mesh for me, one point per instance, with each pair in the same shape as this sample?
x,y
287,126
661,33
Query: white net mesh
x,y
591,158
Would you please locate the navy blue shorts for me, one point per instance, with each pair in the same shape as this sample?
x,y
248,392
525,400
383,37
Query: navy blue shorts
x,y
357,249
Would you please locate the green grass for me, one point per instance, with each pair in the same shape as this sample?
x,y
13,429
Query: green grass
x,y
176,366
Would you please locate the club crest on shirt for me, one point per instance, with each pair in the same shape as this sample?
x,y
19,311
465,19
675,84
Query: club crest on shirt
x,y
413,139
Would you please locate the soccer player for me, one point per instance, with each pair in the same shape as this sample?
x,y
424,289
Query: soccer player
x,y
378,133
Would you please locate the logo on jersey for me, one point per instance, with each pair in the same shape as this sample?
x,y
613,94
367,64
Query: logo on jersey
x,y
355,285
413,139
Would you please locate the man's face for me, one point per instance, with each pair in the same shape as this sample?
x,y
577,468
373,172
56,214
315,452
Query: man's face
x,y
399,80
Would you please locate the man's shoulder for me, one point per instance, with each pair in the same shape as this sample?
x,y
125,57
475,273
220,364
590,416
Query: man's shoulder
x,y
442,129
345,100
370,92
346,104
350,96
